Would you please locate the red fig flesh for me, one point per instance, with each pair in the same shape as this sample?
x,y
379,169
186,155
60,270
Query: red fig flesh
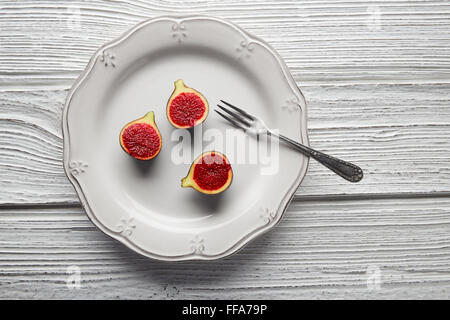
x,y
210,173
186,107
141,138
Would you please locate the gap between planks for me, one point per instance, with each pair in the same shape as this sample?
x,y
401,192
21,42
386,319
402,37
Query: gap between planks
x,y
296,198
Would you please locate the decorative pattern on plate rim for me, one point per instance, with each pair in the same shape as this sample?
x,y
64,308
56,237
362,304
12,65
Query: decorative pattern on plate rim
x,y
126,226
291,105
245,49
108,59
179,31
197,245
268,216
242,51
77,167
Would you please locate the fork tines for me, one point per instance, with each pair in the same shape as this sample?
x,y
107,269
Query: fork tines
x,y
235,115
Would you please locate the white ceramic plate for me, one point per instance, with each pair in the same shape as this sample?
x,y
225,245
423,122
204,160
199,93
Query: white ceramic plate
x,y
141,203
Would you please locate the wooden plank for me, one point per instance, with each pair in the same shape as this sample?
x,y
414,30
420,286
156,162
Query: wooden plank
x,y
378,92
338,52
48,43
397,133
321,249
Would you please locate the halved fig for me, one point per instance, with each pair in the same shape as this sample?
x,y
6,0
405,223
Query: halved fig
x,y
210,173
141,138
186,107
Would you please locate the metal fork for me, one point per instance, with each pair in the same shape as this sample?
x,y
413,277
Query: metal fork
x,y
242,119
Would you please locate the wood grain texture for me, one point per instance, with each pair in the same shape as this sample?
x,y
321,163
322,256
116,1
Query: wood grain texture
x,y
377,88
49,42
397,133
321,249
377,80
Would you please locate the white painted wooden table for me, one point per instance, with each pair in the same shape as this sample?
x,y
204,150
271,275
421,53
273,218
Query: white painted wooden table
x,y
377,80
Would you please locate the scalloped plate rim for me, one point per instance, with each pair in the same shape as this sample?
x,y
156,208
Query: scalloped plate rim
x,y
243,241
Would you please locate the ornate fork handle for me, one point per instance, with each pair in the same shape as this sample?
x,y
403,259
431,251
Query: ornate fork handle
x,y
345,169
246,121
